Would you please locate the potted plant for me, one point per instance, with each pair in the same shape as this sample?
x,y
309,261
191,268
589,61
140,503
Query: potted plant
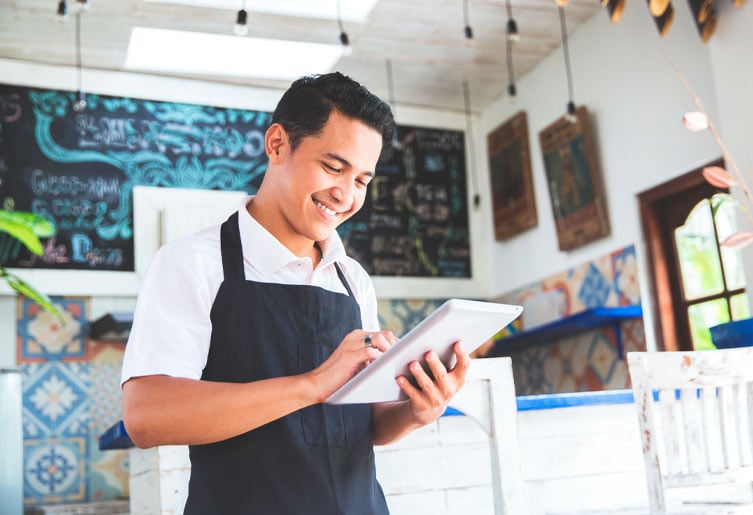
x,y
27,228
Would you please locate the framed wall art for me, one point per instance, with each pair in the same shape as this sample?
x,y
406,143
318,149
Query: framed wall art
x,y
513,201
574,180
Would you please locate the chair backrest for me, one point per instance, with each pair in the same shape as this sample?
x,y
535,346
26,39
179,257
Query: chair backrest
x,y
695,411
488,397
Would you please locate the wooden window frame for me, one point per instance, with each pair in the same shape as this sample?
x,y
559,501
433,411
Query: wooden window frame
x,y
665,293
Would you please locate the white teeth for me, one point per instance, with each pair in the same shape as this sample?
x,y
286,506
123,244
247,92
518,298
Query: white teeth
x,y
325,208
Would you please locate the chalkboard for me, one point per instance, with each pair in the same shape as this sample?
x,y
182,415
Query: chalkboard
x,y
79,170
415,219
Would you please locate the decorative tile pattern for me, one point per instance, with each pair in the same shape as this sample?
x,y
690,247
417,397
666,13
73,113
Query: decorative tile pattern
x,y
625,268
105,396
42,337
108,472
71,394
602,357
588,361
56,398
594,290
55,470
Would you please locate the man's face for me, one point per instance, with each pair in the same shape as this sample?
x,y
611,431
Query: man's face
x,y
323,182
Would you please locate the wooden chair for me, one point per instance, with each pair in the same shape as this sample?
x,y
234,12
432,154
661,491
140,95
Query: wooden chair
x,y
698,431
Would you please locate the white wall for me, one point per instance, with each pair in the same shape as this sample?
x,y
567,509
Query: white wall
x,y
624,74
732,70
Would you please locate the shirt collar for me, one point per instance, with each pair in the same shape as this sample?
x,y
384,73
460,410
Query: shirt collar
x,y
268,255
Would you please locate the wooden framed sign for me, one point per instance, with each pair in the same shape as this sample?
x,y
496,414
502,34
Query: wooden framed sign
x,y
574,180
514,204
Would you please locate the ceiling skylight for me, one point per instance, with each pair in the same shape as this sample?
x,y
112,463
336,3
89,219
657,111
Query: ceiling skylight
x,y
212,54
353,10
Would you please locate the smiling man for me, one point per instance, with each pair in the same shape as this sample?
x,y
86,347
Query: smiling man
x,y
242,330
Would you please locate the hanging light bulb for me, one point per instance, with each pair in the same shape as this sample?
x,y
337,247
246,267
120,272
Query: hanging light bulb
x,y
63,10
345,43
80,104
513,35
512,90
471,139
82,5
395,143
241,23
467,30
571,115
344,39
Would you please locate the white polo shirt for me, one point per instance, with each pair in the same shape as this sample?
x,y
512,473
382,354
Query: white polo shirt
x,y
171,328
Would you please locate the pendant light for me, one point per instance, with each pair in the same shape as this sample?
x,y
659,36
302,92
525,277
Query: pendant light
x,y
63,12
391,99
512,89
467,30
471,139
344,39
570,114
513,35
79,104
241,21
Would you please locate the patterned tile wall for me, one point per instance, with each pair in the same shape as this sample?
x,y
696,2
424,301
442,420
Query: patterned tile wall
x,y
71,394
588,361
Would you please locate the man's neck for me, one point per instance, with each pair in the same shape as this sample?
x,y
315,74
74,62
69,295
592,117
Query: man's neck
x,y
269,221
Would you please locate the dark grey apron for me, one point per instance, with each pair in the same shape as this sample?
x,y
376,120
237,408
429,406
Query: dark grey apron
x,y
318,460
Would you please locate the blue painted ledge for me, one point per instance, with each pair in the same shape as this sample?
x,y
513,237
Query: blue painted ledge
x,y
115,438
566,400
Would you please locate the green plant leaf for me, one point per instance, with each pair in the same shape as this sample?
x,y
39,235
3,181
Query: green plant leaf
x,y
27,228
23,288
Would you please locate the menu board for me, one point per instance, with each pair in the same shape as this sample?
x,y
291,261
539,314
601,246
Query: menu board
x,y
415,219
78,169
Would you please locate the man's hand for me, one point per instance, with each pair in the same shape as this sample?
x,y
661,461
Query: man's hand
x,y
432,395
350,357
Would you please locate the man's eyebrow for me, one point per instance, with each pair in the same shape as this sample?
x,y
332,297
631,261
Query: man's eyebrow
x,y
344,162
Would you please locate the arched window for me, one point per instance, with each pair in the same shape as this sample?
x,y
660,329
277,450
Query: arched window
x,y
696,283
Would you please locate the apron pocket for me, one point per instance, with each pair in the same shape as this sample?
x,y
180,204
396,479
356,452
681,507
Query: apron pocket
x,y
322,424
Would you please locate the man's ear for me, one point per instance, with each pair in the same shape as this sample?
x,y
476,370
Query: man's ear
x,y
275,142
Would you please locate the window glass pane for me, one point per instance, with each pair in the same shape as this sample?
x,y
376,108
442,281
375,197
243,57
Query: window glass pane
x,y
698,254
740,306
725,218
705,315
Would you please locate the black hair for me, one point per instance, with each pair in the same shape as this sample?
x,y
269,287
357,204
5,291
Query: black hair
x,y
305,107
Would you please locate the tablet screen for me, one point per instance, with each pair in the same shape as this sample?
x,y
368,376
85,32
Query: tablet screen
x,y
473,322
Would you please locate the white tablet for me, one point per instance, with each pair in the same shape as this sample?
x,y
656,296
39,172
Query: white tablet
x,y
473,322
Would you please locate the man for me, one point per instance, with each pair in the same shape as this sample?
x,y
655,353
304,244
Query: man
x,y
242,331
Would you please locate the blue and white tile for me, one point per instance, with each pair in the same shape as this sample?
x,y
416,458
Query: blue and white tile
x,y
55,470
626,276
56,399
594,289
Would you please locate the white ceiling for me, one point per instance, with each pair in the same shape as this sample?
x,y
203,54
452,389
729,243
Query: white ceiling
x,y
422,39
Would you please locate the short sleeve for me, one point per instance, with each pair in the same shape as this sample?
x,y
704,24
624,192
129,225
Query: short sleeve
x,y
171,327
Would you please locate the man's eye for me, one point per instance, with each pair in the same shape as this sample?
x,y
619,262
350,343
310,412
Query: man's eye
x,y
331,168
362,182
